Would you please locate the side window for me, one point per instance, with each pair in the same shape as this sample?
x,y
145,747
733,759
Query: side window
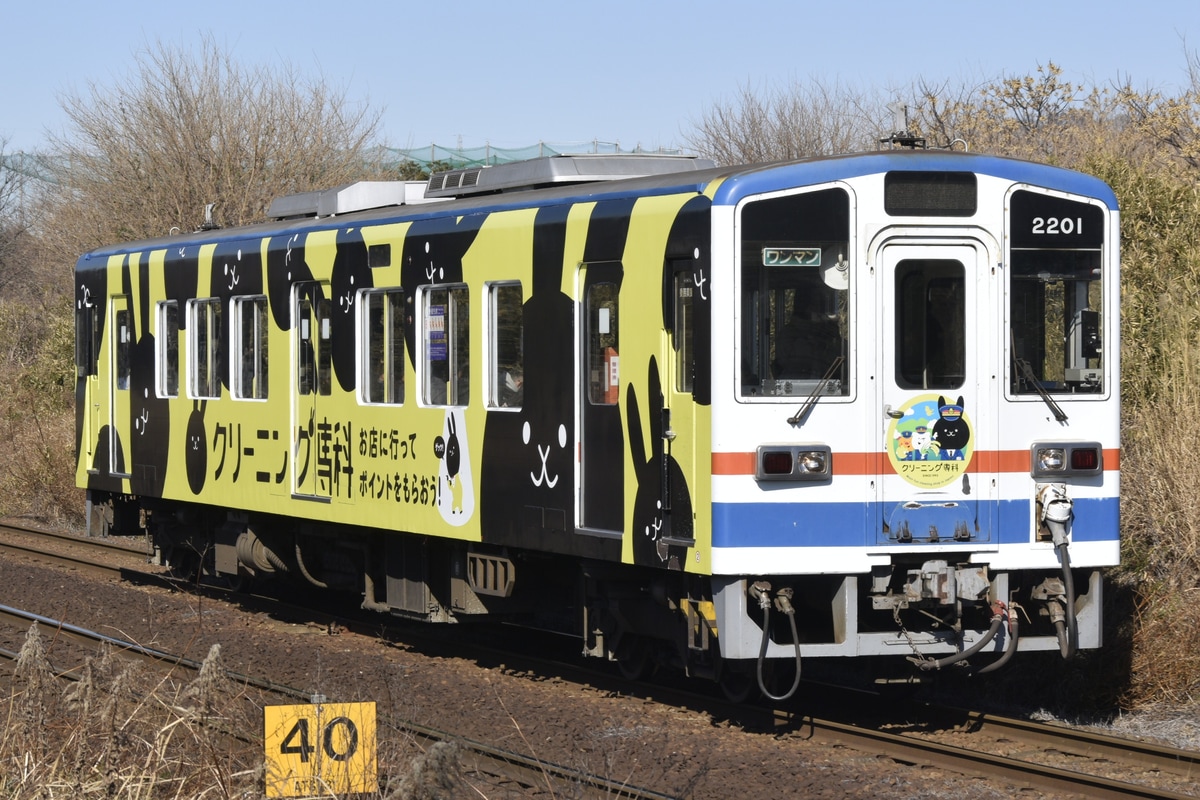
x,y
250,347
506,346
683,333
87,340
446,345
381,321
122,346
204,348
603,349
168,349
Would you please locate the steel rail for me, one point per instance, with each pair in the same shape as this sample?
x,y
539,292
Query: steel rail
x,y
1019,772
903,747
1090,744
493,760
103,543
35,546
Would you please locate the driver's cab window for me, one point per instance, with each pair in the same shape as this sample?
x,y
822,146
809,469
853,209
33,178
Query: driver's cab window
x,y
794,295
1056,300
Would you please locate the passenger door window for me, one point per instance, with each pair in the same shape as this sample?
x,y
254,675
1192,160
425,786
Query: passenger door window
x,y
506,346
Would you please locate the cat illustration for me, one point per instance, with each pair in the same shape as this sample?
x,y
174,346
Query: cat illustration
x,y
951,432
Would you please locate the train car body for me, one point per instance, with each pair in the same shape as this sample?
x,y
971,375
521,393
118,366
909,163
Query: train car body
x,y
841,407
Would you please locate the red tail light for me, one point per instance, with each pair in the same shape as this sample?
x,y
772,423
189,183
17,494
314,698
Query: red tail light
x,y
777,462
1085,459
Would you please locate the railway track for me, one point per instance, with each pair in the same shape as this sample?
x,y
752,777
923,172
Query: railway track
x,y
105,557
1027,755
478,758
1031,742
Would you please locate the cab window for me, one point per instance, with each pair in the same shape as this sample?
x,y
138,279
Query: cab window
x,y
794,295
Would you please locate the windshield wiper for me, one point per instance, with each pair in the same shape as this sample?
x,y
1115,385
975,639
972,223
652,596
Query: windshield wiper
x,y
1031,379
811,400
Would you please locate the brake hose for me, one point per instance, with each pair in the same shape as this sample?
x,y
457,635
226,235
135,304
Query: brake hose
x,y
1068,631
783,599
998,616
1013,626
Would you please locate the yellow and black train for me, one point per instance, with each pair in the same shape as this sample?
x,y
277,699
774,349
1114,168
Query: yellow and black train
x,y
719,418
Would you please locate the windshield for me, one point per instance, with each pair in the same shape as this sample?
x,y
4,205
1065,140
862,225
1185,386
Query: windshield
x,y
1055,296
794,289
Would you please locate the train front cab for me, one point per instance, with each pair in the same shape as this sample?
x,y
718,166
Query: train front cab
x,y
928,468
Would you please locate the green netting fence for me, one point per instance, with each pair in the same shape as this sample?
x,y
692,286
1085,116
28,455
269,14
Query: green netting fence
x,y
435,156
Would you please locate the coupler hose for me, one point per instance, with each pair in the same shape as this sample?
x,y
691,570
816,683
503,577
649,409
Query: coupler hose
x,y
998,617
1068,630
783,601
1013,632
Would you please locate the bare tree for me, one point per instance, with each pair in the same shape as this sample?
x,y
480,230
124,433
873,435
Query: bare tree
x,y
1171,122
945,114
14,220
796,121
1038,116
185,130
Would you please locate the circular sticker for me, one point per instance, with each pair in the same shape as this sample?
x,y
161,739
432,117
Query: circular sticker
x,y
929,445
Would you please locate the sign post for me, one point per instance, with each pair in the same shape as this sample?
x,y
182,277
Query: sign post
x,y
320,749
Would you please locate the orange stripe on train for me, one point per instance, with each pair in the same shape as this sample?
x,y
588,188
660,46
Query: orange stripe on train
x,y
876,463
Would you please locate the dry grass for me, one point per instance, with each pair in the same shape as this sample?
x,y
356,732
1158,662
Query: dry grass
x,y
37,420
117,732
121,733
1161,554
1160,523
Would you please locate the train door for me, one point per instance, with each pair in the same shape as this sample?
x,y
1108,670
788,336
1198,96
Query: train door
x,y
678,446
87,347
601,437
938,383
311,382
121,338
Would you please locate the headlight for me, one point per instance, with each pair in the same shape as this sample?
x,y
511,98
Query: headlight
x,y
1059,459
791,462
813,462
1049,459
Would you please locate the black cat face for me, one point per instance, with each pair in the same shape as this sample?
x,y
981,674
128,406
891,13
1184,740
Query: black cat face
x,y
196,449
549,461
285,267
951,431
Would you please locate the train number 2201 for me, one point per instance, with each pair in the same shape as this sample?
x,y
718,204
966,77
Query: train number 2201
x,y
1053,226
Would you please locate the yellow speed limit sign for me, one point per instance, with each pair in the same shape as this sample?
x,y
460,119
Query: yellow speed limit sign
x,y
320,749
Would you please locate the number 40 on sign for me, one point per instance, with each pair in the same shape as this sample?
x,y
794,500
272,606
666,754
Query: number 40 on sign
x,y
319,749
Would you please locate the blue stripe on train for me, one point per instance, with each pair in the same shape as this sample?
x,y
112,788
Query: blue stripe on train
x,y
853,524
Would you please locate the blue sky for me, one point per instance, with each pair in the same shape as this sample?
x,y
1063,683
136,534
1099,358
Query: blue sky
x,y
515,72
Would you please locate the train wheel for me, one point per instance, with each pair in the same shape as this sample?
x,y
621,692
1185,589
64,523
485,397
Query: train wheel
x,y
184,563
633,658
737,685
243,582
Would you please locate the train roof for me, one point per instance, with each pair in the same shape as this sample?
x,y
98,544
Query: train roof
x,y
557,179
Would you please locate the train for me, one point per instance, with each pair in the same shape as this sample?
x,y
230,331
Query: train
x,y
856,409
